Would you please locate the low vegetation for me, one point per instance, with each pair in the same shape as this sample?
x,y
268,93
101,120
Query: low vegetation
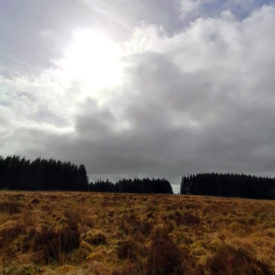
x,y
108,233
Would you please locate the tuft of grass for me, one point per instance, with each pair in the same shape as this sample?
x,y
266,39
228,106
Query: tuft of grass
x,y
190,219
35,201
165,257
229,260
129,268
71,217
7,235
95,237
146,227
127,249
10,207
55,243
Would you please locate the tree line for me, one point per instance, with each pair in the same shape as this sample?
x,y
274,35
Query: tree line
x,y
20,174
228,185
41,174
146,185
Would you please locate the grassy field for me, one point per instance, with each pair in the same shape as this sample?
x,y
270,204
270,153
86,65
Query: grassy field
x,y
93,233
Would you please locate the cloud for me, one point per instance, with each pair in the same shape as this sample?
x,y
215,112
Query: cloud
x,y
191,10
192,7
32,32
200,99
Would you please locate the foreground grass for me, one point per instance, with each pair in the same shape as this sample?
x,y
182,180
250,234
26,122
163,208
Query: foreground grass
x,y
93,233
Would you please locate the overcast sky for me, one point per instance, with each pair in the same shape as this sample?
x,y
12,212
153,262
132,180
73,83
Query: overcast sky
x,y
140,88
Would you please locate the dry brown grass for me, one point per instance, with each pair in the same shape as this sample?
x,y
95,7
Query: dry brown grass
x,y
93,233
9,207
229,260
164,256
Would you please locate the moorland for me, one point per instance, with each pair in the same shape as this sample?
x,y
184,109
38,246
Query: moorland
x,y
109,233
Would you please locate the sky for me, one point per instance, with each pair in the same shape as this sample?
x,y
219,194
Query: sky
x,y
140,88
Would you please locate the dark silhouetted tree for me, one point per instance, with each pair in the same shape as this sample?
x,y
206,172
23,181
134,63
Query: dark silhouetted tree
x,y
19,174
228,185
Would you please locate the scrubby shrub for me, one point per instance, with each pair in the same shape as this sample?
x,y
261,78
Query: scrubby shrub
x,y
175,216
71,216
20,269
47,242
95,237
127,249
10,207
48,208
131,219
111,213
179,218
129,268
146,227
35,201
150,215
28,218
7,235
165,257
7,238
88,220
228,261
27,241
190,219
69,237
54,243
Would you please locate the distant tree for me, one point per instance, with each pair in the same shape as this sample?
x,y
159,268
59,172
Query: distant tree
x,y
20,174
146,185
228,185
82,178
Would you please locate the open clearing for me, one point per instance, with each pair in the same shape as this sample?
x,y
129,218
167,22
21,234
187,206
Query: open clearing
x,y
107,233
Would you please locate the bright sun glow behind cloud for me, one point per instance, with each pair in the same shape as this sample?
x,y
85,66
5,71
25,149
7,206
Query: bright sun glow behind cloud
x,y
143,89
93,59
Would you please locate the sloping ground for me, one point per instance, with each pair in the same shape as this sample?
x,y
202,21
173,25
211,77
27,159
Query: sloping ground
x,y
93,233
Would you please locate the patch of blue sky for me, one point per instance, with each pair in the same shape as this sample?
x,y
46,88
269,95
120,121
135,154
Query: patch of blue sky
x,y
240,8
